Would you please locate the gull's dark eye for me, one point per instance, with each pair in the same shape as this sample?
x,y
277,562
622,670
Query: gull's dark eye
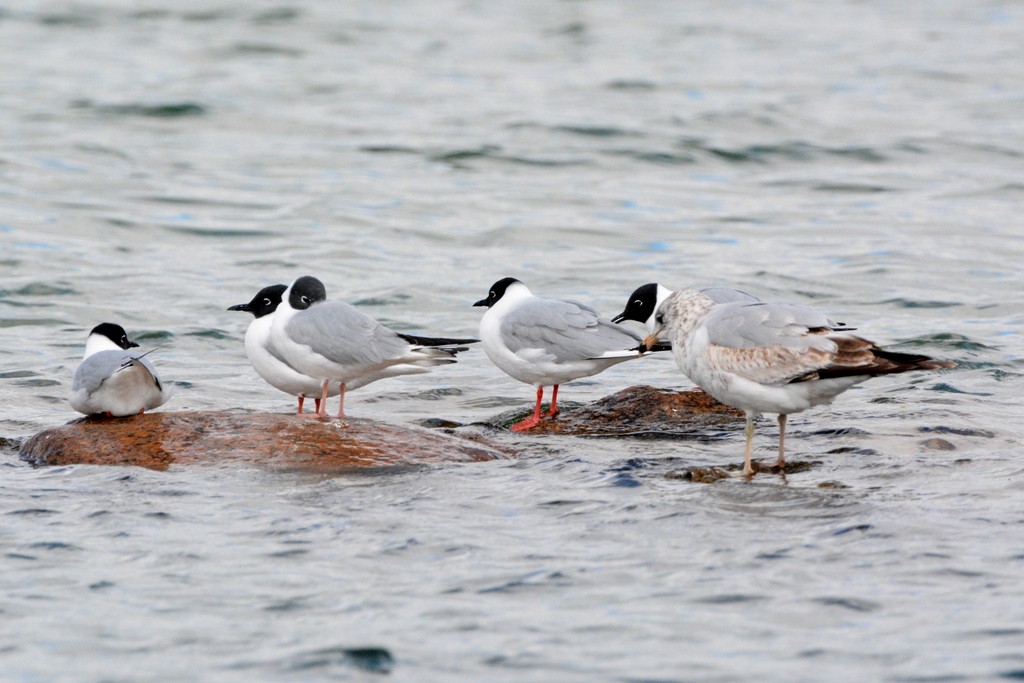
x,y
660,319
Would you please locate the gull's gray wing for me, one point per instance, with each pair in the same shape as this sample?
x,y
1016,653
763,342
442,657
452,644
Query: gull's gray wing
x,y
772,343
343,334
726,295
567,330
95,369
760,325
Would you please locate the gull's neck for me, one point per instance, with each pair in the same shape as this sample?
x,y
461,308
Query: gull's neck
x,y
97,342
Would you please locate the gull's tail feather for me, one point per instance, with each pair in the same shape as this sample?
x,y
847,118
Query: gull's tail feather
x,y
856,356
437,341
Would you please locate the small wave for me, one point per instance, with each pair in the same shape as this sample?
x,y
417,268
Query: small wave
x,y
852,188
631,85
654,157
276,15
38,289
373,659
595,131
163,110
918,303
220,232
494,153
786,151
266,49
30,322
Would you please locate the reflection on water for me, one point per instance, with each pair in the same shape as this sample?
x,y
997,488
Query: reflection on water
x,y
161,164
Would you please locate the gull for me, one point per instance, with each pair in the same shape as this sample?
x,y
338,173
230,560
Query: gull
x,y
337,344
266,359
770,358
643,303
547,342
113,382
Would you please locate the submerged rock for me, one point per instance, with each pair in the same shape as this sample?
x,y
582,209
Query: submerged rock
x,y
640,411
708,475
159,440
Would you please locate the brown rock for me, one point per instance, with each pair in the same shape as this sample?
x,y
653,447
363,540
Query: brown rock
x,y
637,411
159,440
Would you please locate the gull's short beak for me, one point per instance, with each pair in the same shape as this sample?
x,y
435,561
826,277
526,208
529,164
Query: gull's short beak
x,y
619,318
132,345
482,302
650,341
239,307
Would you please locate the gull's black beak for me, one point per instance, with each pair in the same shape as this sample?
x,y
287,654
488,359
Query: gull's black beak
x,y
240,307
132,345
482,302
650,342
619,318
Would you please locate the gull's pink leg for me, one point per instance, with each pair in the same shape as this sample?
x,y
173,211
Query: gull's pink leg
x,y
301,399
341,406
321,408
533,420
317,403
554,401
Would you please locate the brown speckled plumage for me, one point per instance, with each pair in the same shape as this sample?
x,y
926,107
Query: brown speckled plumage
x,y
773,358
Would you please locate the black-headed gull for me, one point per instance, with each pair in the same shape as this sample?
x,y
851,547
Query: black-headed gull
x,y
644,301
266,360
335,343
111,381
548,342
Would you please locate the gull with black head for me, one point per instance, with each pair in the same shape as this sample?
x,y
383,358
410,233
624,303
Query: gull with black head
x,y
643,303
548,342
111,381
770,358
336,344
264,356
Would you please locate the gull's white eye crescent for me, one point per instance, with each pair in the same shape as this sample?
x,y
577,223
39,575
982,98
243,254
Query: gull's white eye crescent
x,y
266,302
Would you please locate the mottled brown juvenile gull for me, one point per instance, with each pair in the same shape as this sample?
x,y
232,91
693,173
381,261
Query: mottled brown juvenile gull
x,y
770,358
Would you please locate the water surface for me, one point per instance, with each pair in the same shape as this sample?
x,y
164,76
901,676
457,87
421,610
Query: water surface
x,y
158,164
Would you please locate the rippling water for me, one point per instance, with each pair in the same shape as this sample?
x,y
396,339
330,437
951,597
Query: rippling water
x,y
159,163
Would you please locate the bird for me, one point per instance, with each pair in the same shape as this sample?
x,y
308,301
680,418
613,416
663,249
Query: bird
x,y
113,382
337,344
644,301
266,359
548,342
770,357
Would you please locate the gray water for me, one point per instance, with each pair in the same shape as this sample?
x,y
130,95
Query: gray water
x,y
162,161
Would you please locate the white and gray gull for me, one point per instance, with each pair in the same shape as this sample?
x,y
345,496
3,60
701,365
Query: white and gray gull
x,y
265,358
547,342
336,344
113,382
770,358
